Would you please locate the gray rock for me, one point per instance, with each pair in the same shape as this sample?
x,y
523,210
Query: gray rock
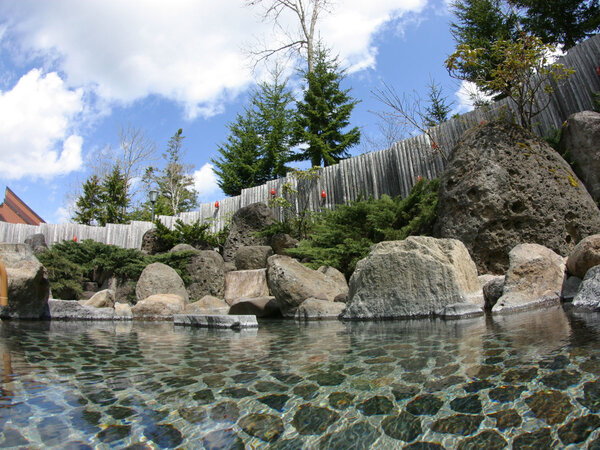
x,y
492,291
415,277
159,306
317,309
504,186
158,278
534,278
207,271
72,310
580,137
588,296
259,307
244,224
37,243
216,321
123,310
570,288
245,284
584,256
102,299
151,245
291,283
252,257
28,285
207,305
280,242
183,248
336,276
460,310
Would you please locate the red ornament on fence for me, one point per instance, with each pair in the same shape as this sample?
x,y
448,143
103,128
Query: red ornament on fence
x,y
273,192
598,71
323,195
74,238
217,204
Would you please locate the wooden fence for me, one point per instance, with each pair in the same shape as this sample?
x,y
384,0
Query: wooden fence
x,y
392,171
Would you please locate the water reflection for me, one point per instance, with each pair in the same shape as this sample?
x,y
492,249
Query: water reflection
x,y
378,384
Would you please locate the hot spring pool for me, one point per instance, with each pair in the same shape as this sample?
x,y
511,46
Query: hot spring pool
x,y
527,380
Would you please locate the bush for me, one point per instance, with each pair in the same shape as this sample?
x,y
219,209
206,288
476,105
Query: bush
x,y
197,235
340,238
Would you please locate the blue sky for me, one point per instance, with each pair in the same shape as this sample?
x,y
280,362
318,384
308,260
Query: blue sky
x,y
72,72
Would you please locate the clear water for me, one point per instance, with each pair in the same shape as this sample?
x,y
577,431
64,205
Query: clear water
x,y
511,381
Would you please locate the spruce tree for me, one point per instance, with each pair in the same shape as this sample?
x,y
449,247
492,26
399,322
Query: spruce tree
x,y
437,111
89,203
259,141
323,114
114,198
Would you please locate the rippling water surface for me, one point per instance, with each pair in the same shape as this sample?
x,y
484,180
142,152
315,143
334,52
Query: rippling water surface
x,y
509,381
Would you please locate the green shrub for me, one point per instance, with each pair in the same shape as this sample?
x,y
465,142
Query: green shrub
x,y
196,234
343,236
65,276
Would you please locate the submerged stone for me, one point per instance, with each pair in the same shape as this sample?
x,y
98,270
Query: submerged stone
x,y
222,439
423,446
592,365
263,426
376,405
275,401
114,433
413,364
225,412
12,438
506,418
306,391
424,405
578,430
329,378
461,424
53,431
405,426
403,391
488,440
591,396
288,378
551,406
505,394
164,435
558,362
483,372
288,444
440,385
520,375
270,386
476,386
468,405
311,419
562,379
360,435
120,412
237,393
193,414
537,439
340,400
204,396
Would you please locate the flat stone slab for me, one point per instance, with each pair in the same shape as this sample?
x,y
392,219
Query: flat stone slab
x,y
73,310
216,321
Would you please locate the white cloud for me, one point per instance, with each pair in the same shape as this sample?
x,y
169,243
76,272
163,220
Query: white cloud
x,y
468,94
205,183
34,121
189,51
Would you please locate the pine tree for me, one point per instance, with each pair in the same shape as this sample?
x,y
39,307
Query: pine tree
x,y
259,141
114,198
563,22
89,203
437,111
323,115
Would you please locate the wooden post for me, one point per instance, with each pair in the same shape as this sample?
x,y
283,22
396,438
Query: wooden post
x,y
3,286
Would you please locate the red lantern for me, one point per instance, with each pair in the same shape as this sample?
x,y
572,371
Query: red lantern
x,y
273,192
323,195
74,238
598,71
419,178
217,204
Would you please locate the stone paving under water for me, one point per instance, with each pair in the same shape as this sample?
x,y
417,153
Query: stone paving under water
x,y
528,380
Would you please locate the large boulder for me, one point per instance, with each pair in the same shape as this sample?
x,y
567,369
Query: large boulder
x,y
37,242
159,306
579,140
244,224
245,284
207,272
535,278
291,283
73,310
259,307
280,242
584,256
492,289
252,257
28,285
151,244
183,248
419,276
158,278
317,309
504,186
588,295
338,278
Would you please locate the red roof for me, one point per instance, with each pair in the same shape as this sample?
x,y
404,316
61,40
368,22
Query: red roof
x,y
14,210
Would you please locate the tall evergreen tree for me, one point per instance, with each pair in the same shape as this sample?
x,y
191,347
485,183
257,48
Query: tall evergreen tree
x,y
324,113
89,203
259,141
563,22
114,198
438,109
